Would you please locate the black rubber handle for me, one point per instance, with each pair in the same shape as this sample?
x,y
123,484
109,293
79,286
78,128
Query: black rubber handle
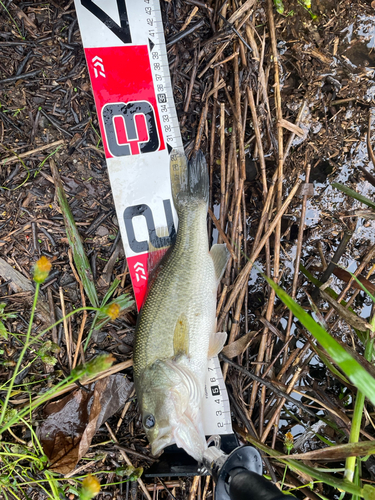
x,y
246,485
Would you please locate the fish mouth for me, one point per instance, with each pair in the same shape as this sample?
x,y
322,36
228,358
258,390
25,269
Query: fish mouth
x,y
161,442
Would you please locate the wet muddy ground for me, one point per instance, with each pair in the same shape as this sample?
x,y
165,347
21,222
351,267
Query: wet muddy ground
x,y
327,88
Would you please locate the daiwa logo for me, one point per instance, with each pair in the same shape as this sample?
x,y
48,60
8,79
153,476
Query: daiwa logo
x,y
97,63
130,128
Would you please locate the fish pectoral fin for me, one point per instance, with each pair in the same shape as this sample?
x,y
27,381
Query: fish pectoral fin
x,y
217,341
220,257
190,438
181,336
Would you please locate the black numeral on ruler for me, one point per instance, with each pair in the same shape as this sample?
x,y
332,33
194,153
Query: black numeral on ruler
x,y
122,31
156,241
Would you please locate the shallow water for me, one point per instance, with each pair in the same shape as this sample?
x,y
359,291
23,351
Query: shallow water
x,y
339,97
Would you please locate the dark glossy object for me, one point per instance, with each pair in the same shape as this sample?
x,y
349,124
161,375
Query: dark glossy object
x,y
238,476
247,485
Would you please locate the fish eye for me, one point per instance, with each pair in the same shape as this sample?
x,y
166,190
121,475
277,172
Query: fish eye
x,y
149,421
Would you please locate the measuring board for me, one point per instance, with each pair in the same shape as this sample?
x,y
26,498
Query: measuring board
x,y
127,61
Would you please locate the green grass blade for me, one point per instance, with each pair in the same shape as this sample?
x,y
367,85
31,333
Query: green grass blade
x,y
27,173
367,492
124,301
110,292
337,452
309,276
372,297
45,159
101,319
352,466
318,284
333,294
354,194
16,25
352,369
80,259
330,366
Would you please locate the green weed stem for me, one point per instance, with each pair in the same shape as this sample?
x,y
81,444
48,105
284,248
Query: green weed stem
x,y
47,395
80,309
357,416
298,466
42,399
21,356
91,331
10,15
35,339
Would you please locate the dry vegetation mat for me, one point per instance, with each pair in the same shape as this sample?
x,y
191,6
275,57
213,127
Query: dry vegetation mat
x,y
280,98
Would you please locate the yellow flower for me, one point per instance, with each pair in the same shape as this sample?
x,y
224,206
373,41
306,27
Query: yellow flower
x,y
289,441
99,364
113,310
90,487
42,269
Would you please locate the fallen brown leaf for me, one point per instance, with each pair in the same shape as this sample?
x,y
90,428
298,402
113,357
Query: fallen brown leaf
x,y
238,346
351,318
336,452
72,422
345,276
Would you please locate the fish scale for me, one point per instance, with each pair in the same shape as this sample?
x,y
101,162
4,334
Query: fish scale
x,y
176,327
187,272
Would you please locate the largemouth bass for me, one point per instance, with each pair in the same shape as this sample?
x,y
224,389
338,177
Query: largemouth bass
x,y
176,329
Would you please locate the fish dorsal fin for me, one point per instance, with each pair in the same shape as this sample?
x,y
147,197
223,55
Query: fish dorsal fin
x,y
220,256
165,236
155,255
181,336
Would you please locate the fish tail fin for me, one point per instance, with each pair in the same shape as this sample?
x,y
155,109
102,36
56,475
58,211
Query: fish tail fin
x,y
198,177
189,180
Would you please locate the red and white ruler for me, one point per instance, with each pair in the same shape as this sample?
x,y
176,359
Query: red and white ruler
x,y
127,60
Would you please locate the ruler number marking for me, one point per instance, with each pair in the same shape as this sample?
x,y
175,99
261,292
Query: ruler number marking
x,y
157,241
160,70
